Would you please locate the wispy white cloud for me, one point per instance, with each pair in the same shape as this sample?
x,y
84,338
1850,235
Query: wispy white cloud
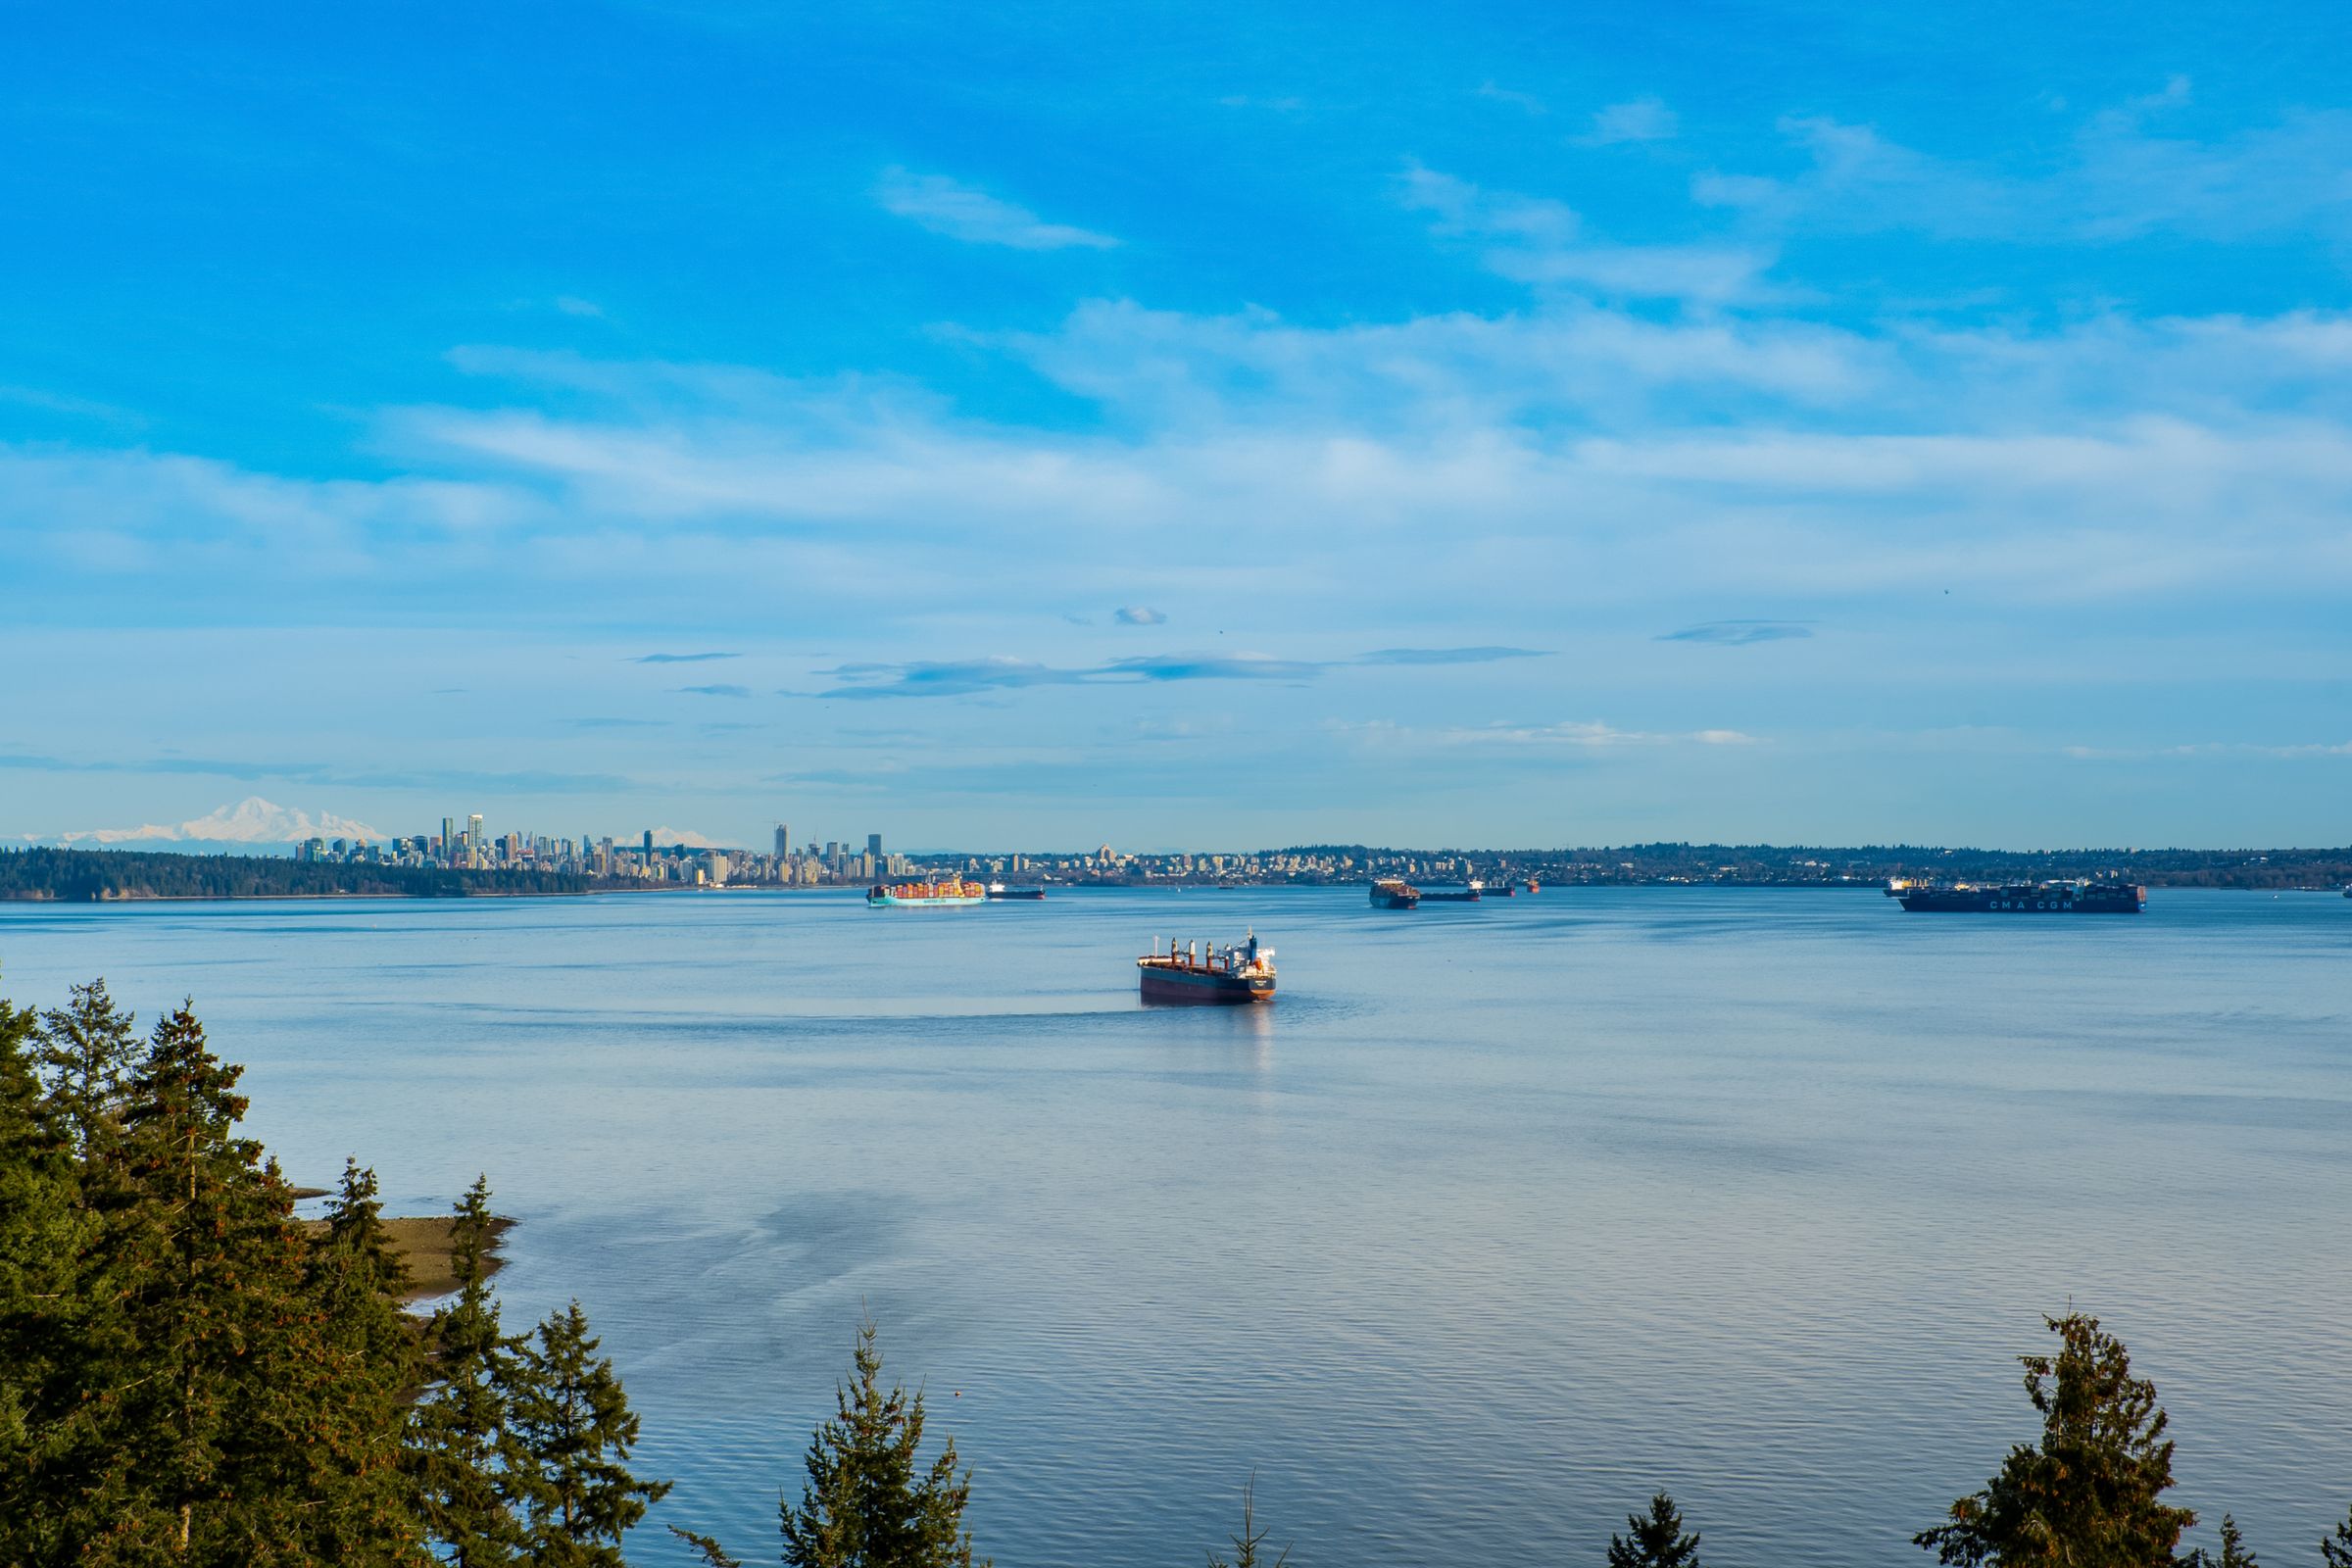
x,y
1525,102
1538,240
964,212
1581,735
1137,616
1637,120
1597,451
2117,178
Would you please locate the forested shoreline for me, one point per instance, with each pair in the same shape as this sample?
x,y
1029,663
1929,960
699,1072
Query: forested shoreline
x,y
189,1374
88,876
83,876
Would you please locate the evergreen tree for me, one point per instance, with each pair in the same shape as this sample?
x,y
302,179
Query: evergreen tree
x,y
459,1439
865,1505
2233,1553
88,1049
42,1234
2091,1493
370,1363
212,1403
1247,1544
1657,1540
713,1554
574,1430
2338,1552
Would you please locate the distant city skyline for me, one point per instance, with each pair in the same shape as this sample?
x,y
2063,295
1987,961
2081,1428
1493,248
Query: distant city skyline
x,y
1184,425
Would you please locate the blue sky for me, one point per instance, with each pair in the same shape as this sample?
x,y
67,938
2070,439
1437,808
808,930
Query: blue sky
x,y
1183,426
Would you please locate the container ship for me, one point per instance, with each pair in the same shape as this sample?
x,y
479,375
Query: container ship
x,y
2020,898
1394,893
1243,973
1471,893
998,892
925,895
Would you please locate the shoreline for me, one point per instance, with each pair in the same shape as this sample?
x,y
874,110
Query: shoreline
x,y
2326,890
424,1245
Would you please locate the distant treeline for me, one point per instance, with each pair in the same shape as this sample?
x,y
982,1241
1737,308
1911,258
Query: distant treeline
x,y
191,1377
1799,865
92,875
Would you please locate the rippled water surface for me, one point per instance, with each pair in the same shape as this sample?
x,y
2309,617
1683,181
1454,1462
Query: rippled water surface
x,y
1501,1217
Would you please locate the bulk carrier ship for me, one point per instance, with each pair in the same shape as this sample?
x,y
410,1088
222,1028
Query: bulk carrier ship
x,y
2020,898
1394,893
1243,973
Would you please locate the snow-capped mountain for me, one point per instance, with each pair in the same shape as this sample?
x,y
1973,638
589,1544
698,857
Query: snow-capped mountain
x,y
252,820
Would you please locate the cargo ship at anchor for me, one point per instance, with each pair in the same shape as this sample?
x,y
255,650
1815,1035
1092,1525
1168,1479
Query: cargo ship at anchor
x,y
2020,898
1232,973
925,895
998,893
1394,893
1473,893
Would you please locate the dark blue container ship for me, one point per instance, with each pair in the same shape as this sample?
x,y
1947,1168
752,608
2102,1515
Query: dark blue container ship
x,y
2020,898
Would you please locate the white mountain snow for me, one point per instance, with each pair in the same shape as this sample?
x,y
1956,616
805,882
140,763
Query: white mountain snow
x,y
252,820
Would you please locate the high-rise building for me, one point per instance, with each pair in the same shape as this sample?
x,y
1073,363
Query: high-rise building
x,y
874,847
473,841
448,840
649,846
783,841
833,853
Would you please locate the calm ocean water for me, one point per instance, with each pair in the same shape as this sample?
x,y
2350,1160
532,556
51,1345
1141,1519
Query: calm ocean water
x,y
1500,1218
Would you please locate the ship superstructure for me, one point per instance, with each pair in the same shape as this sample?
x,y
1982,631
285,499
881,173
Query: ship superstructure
x,y
1236,972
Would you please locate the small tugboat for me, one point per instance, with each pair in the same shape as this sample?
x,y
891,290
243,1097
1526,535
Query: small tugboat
x,y
1243,973
925,895
1470,894
998,892
1394,893
1532,885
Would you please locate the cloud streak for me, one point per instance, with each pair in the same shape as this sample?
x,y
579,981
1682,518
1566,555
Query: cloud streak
x,y
966,677
523,781
1738,633
963,211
